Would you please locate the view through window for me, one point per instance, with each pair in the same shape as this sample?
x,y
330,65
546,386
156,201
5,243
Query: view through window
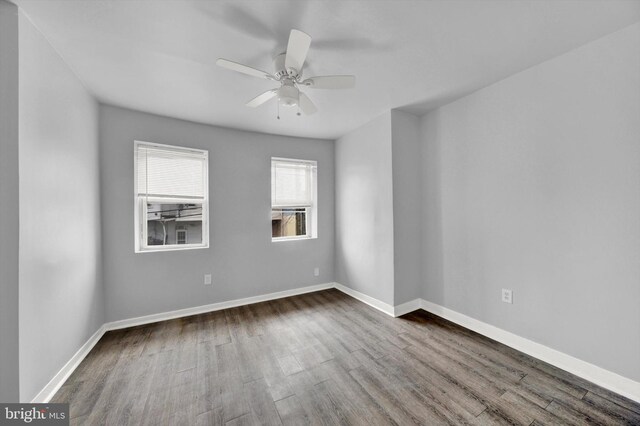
x,y
171,197
293,194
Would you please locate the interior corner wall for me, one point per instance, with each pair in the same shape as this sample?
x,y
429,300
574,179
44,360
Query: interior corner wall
x,y
61,296
364,210
242,258
534,183
9,194
431,199
407,206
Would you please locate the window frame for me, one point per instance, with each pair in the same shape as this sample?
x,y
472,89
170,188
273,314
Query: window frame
x,y
311,212
140,203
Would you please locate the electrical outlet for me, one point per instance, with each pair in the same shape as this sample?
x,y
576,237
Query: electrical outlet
x,y
507,295
207,279
316,272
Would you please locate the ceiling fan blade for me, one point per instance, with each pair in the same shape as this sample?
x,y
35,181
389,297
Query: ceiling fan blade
x,y
306,105
234,66
262,98
297,49
331,82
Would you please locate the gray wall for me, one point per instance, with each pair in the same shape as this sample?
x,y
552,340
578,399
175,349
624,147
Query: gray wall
x,y
61,294
539,179
242,258
431,196
9,213
364,210
407,206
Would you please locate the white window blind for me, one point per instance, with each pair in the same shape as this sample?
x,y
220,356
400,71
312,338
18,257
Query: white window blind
x,y
170,172
291,183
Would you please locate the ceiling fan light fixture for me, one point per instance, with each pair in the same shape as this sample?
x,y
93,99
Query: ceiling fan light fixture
x,y
288,96
288,72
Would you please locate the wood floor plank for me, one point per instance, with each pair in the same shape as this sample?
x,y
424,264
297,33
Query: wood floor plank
x,y
501,377
423,321
399,393
350,404
112,392
131,403
576,411
262,405
78,421
449,401
613,397
291,412
611,408
244,420
325,358
389,402
210,418
319,408
520,404
289,365
183,398
233,402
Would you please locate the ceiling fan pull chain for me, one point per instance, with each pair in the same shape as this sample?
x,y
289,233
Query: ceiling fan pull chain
x,y
278,109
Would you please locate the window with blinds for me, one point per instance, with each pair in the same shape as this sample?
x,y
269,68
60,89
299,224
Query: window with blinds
x,y
293,199
171,191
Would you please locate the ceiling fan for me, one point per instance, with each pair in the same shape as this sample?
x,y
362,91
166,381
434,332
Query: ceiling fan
x,y
288,66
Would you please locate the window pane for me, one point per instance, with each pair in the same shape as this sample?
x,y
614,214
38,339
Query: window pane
x,y
288,222
169,224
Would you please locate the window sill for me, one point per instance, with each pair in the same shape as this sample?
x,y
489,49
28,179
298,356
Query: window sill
x,y
283,239
172,248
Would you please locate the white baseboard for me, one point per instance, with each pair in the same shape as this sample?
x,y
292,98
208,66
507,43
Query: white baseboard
x,y
607,379
405,308
394,311
601,377
58,380
374,303
164,316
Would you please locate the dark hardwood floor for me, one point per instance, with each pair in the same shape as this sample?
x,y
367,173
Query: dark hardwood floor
x,y
324,358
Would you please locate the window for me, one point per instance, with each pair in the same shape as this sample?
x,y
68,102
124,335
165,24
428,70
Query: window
x,y
293,199
181,236
171,197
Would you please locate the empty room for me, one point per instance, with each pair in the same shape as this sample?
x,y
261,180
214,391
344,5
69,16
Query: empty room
x,y
322,212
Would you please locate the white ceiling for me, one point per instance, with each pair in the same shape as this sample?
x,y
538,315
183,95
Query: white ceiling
x,y
159,56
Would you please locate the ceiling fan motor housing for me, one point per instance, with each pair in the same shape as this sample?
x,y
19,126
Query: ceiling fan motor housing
x,y
281,69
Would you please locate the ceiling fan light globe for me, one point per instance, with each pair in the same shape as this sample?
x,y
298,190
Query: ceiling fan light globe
x,y
288,102
288,96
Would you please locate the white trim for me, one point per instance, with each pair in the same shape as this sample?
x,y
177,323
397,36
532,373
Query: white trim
x,y
313,163
61,376
607,379
164,147
294,238
597,375
405,308
601,377
374,303
147,319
